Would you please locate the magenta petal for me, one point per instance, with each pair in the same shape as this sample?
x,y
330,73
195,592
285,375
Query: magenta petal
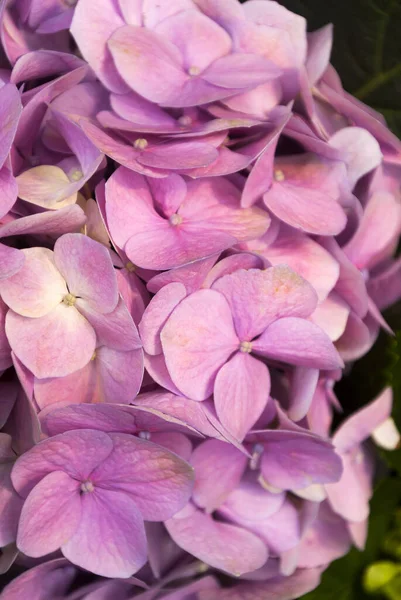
x,y
193,346
37,288
298,342
220,545
55,345
50,515
293,460
86,266
53,223
75,452
78,387
252,502
218,470
10,502
241,392
179,156
110,539
360,150
259,297
158,481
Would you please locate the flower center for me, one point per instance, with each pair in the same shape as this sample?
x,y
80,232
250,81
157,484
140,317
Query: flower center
x,y
257,452
76,175
193,71
141,143
185,121
131,268
245,347
69,300
93,355
279,175
175,219
145,435
87,487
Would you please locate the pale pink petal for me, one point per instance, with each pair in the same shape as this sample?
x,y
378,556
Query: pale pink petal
x,y
55,345
110,539
303,387
220,545
46,186
360,150
50,515
240,71
11,261
156,315
52,223
241,392
87,268
298,342
78,387
259,297
37,288
10,109
332,315
149,64
197,339
218,470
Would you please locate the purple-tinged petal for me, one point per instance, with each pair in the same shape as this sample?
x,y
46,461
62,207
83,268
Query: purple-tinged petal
x,y
179,155
357,428
76,453
50,515
197,339
326,540
357,338
218,470
303,387
158,481
240,71
220,545
10,111
55,345
5,362
143,113
252,502
350,284
37,288
360,150
110,539
294,460
381,221
42,582
259,297
231,264
156,315
298,342
350,496
9,190
319,49
10,502
241,392
156,368
91,32
176,442
191,275
43,63
87,268
11,261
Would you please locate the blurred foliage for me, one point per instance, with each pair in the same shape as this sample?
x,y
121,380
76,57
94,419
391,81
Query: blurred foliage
x,y
367,48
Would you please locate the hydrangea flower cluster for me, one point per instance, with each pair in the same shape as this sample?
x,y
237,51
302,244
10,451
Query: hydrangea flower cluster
x,y
198,235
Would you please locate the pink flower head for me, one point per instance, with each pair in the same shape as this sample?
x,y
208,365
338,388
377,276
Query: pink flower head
x,y
107,485
167,223
58,302
258,312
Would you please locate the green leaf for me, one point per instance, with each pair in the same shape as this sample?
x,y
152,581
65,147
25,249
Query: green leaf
x,y
367,48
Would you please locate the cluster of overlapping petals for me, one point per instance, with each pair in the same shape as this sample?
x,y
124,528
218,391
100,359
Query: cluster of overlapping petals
x,y
198,235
